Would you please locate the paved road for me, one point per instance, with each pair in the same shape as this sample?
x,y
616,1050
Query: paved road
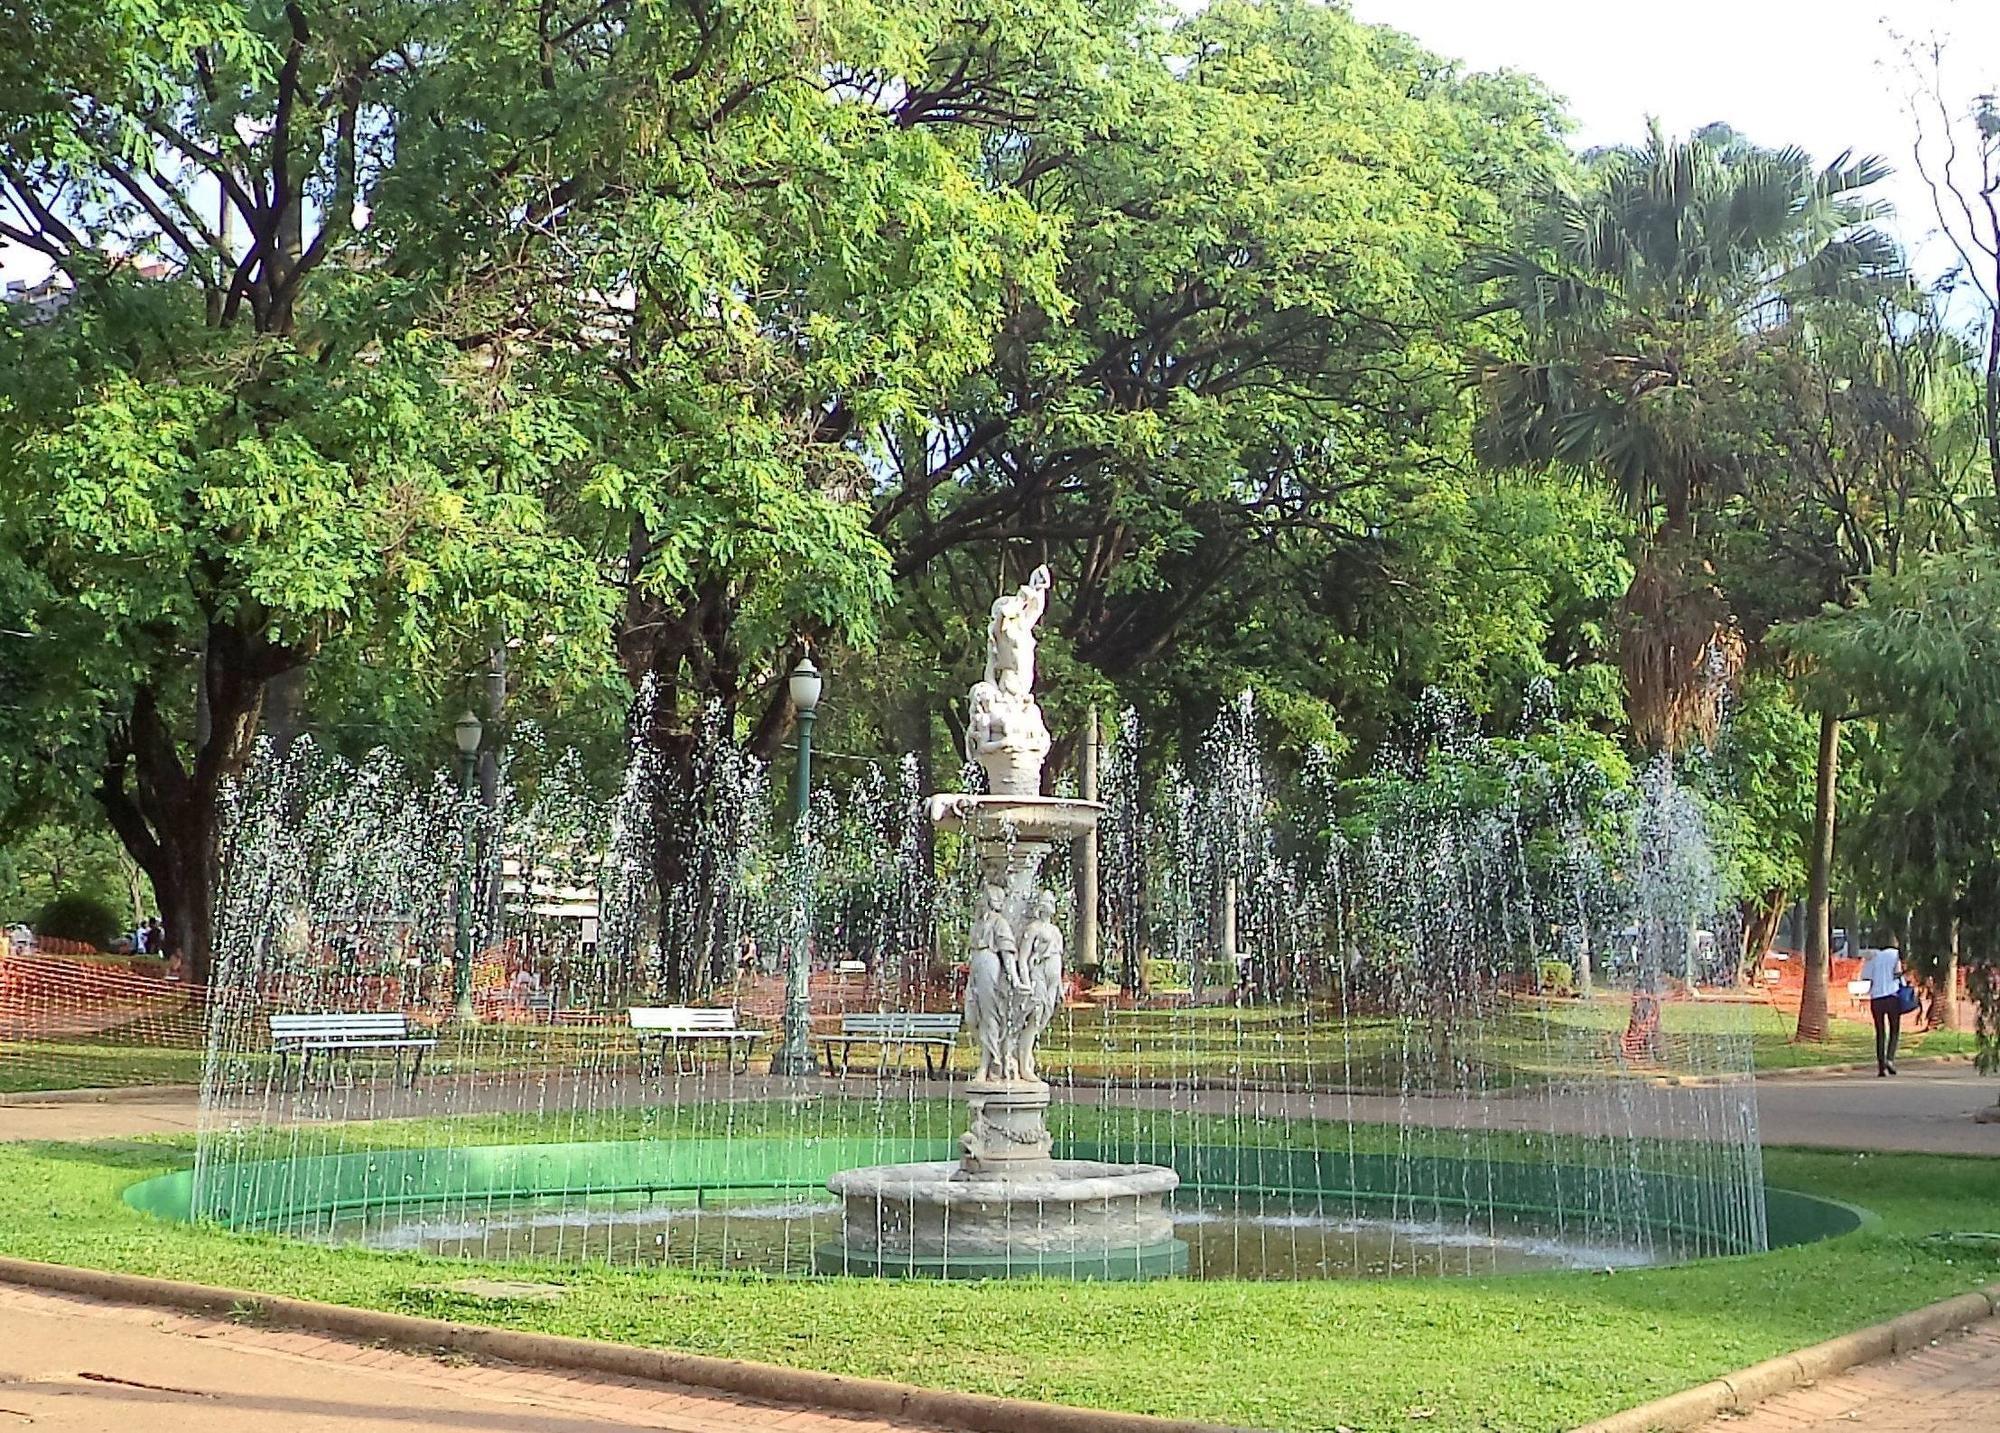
x,y
79,1366
1951,1387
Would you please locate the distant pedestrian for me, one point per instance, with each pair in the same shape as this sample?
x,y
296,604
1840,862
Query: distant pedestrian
x,y
156,937
1883,970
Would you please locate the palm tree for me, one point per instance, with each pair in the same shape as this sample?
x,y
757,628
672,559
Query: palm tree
x,y
1642,285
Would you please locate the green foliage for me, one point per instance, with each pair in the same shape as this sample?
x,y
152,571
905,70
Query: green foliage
x,y
1643,291
43,861
1235,440
1758,789
1917,658
1556,977
80,917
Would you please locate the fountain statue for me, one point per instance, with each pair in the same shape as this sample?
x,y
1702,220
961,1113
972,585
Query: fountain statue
x,y
1007,1206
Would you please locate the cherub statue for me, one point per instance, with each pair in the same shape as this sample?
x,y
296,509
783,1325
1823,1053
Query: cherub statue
x,y
1010,636
1042,952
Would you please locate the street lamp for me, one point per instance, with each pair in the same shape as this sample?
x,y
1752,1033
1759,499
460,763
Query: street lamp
x,y
795,1057
466,732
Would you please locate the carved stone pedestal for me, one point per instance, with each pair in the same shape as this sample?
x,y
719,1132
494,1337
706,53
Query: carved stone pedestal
x,y
1009,1130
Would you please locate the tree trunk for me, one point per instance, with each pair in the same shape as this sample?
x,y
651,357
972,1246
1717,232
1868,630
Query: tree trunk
x,y
1085,858
167,812
1819,901
1760,918
1944,1006
686,673
285,709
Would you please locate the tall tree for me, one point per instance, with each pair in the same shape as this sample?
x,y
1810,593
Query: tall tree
x,y
1643,291
1915,659
1859,468
729,318
1957,154
287,431
1243,396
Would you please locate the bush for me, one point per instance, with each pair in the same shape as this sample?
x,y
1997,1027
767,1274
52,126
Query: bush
x,y
76,917
1557,978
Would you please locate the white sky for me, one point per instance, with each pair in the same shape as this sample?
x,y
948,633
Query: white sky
x,y
1823,75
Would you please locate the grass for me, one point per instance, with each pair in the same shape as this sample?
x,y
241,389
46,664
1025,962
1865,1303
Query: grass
x,y
1522,1354
1282,1045
29,1065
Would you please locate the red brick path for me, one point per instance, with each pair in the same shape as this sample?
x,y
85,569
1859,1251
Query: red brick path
x,y
1951,1387
76,1365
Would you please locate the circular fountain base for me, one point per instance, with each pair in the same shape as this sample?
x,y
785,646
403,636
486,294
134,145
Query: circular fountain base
x,y
1058,1218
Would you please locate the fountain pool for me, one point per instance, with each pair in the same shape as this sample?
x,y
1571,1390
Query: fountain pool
x,y
1258,1213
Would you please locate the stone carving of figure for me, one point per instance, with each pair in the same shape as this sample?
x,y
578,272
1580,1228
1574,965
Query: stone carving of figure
x,y
1042,953
1010,637
991,953
1009,740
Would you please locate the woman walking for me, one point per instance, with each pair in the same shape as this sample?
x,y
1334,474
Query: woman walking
x,y
1883,970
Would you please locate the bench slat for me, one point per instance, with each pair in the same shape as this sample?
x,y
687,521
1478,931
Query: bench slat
x,y
681,1019
900,1026
356,1028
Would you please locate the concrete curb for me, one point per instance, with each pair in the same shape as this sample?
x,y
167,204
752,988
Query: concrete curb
x,y
980,1412
1744,1389
1855,1067
114,1095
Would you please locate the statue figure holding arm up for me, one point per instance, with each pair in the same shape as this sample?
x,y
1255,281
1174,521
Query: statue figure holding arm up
x,y
1010,637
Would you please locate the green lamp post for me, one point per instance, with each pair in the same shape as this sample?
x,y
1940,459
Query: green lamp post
x,y
466,732
795,1055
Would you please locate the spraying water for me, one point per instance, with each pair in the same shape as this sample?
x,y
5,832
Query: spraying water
x,y
1474,1012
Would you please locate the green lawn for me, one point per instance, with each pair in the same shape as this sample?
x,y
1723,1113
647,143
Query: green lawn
x,y
1530,1353
1286,1045
27,1065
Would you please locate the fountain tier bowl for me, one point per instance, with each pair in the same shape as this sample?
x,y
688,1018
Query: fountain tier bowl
x,y
1060,1218
1016,818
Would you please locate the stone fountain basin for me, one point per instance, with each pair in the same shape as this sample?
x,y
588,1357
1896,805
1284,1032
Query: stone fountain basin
x,y
1061,1209
1016,818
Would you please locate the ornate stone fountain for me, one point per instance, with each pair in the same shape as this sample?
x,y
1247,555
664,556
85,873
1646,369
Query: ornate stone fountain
x,y
1006,1207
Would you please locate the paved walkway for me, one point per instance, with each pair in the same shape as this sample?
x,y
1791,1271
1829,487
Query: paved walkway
x,y
79,1366
1952,1387
1926,1109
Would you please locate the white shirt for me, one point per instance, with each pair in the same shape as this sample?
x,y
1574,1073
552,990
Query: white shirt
x,y
1879,969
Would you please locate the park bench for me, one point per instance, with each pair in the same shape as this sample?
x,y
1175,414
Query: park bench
x,y
935,1035
335,1033
683,1028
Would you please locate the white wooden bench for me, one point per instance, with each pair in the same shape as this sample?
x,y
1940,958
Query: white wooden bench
x,y
935,1035
334,1033
683,1028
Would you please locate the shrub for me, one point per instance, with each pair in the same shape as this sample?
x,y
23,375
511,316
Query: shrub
x,y
78,917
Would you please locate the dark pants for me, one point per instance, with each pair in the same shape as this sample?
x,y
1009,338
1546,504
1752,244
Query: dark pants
x,y
1888,1013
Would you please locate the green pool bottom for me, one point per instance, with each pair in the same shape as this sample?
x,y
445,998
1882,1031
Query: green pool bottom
x,y
1691,1216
